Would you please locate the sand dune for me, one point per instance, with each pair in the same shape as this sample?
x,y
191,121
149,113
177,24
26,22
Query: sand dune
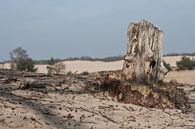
x,y
94,66
90,66
186,77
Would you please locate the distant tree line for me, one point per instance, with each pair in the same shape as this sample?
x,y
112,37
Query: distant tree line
x,y
106,59
180,54
85,58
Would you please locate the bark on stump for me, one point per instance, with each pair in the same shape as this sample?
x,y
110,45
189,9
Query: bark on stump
x,y
143,62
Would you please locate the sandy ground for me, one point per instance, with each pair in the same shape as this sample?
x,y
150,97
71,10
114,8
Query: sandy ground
x,y
5,66
32,110
70,106
186,77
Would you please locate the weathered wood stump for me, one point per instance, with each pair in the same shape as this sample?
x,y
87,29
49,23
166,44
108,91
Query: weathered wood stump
x,y
143,62
141,80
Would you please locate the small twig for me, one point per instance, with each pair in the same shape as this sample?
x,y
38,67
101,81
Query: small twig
x,y
128,109
109,119
89,111
100,114
89,122
33,119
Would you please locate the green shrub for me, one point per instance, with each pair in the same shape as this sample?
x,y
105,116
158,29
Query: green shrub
x,y
185,64
167,66
25,65
69,73
84,73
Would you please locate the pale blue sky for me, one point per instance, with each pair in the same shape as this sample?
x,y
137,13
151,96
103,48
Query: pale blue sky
x,y
97,28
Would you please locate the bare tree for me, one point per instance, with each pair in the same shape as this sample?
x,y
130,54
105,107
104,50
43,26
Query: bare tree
x,y
16,55
21,61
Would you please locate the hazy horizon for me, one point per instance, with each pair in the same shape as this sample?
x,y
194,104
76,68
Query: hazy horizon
x,y
66,28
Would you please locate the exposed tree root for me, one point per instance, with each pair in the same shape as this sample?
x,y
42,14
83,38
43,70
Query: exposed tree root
x,y
162,95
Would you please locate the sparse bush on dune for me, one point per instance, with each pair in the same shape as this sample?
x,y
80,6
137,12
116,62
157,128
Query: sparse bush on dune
x,y
186,64
60,68
55,68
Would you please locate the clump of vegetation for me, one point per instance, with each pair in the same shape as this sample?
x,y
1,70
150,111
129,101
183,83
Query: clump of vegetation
x,y
69,73
167,65
55,68
52,61
26,65
84,73
186,64
60,68
21,61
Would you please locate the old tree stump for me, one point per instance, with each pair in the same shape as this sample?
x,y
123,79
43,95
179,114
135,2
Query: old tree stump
x,y
141,80
143,61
